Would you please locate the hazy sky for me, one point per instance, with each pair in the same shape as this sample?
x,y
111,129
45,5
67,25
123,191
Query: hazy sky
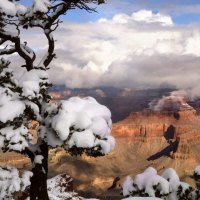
x,y
128,43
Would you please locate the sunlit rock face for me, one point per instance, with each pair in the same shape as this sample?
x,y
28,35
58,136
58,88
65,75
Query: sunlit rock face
x,y
170,125
168,118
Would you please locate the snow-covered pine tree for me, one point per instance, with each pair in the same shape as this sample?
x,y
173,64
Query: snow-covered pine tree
x,y
78,125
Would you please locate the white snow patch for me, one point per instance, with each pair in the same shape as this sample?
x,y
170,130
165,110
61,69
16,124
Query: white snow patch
x,y
30,82
38,159
41,6
171,175
84,139
11,182
197,170
17,138
10,106
127,186
8,7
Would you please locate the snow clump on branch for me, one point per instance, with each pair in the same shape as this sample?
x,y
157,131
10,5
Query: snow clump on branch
x,y
19,100
80,125
14,8
11,182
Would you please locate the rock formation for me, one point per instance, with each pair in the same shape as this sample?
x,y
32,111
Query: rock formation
x,y
179,127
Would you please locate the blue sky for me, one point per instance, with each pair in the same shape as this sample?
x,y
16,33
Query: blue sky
x,y
181,11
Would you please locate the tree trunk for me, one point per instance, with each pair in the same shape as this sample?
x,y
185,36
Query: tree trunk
x,y
38,188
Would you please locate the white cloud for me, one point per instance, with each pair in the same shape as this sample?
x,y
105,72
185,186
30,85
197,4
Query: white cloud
x,y
148,17
138,50
192,45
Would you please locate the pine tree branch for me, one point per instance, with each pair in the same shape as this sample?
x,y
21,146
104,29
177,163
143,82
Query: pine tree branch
x,y
7,51
19,48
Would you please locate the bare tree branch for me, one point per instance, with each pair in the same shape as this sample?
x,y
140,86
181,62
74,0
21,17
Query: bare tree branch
x,y
2,41
7,51
51,46
48,22
19,48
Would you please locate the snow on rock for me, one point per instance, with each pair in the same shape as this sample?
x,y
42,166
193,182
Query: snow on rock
x,y
81,122
61,187
10,182
60,183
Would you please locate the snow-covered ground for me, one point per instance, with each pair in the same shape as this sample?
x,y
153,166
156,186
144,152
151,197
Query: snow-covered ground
x,y
59,185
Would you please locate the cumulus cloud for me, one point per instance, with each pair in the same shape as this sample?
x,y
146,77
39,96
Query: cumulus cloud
x,y
148,17
141,50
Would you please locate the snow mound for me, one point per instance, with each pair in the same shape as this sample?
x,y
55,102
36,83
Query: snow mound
x,y
60,183
60,187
